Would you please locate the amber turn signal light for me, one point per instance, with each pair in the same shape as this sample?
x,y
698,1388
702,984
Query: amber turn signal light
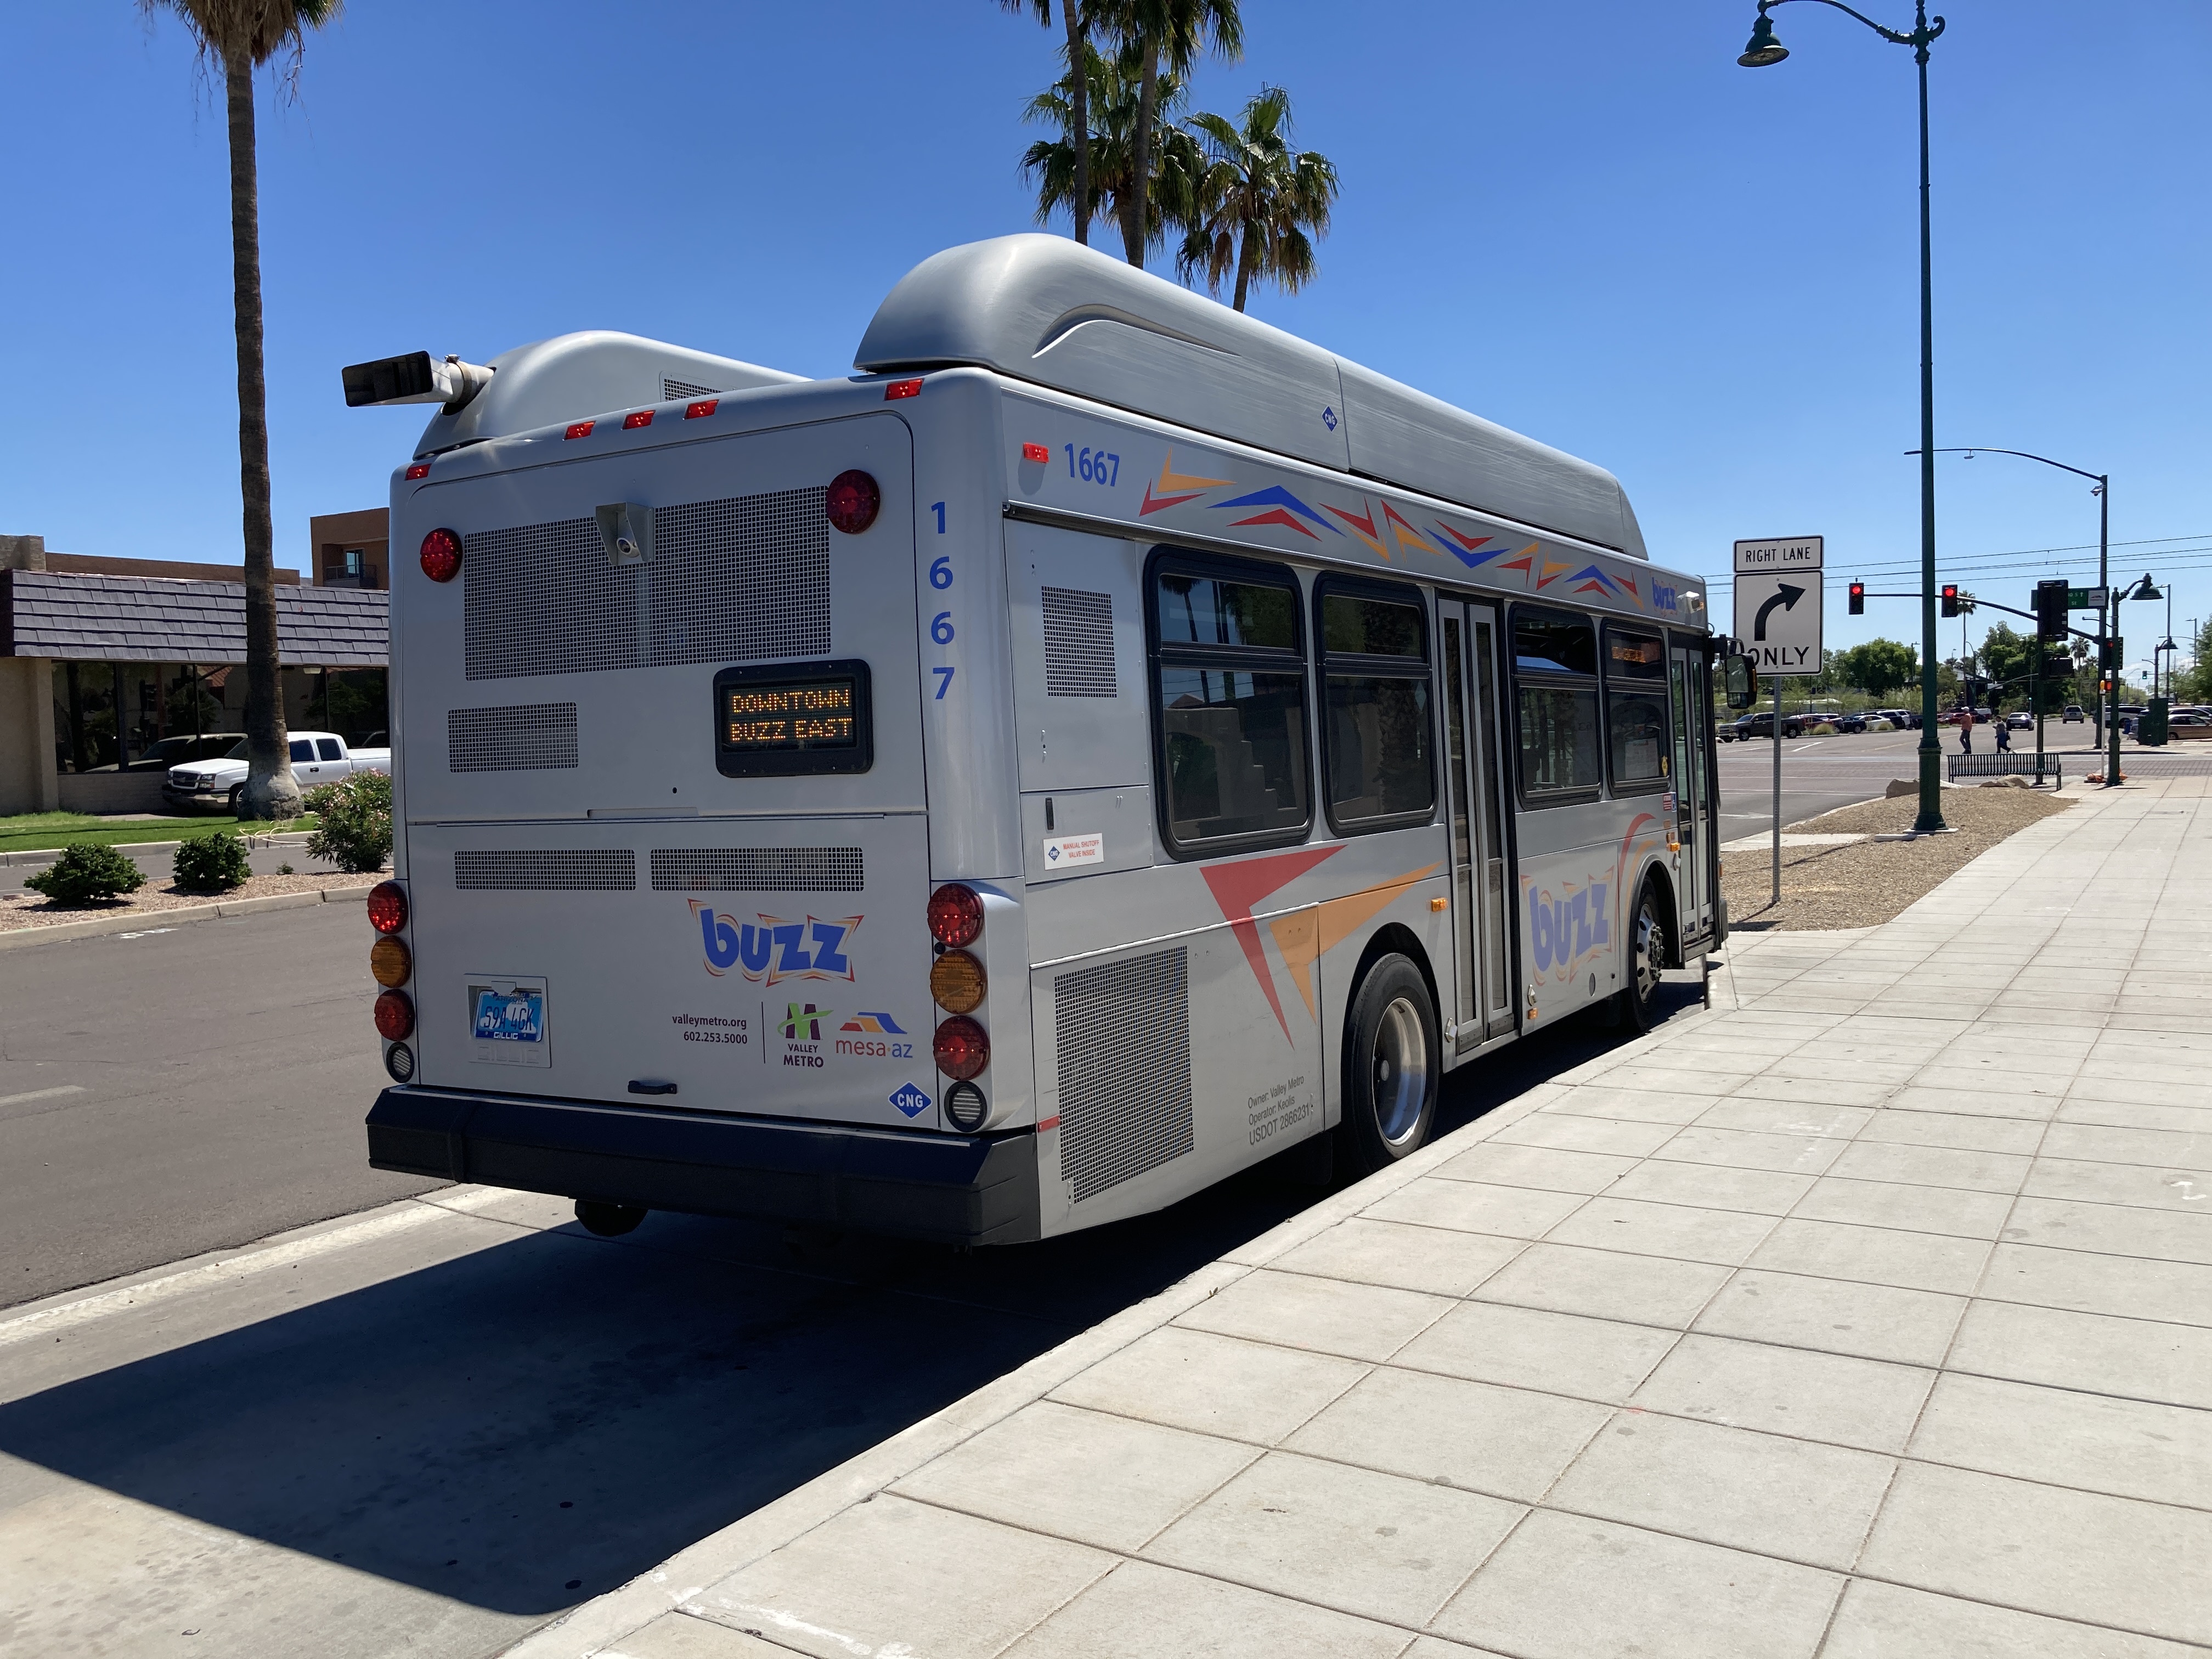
x,y
389,962
956,982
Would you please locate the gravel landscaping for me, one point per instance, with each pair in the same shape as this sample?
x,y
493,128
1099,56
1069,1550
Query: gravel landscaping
x,y
35,910
1863,884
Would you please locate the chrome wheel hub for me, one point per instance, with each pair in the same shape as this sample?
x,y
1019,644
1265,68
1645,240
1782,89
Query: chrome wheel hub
x,y
1401,1072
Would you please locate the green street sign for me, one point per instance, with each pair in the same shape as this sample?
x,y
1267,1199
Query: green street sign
x,y
2086,598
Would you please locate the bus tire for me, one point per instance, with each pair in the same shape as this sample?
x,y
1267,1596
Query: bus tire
x,y
608,1220
1391,1066
1648,950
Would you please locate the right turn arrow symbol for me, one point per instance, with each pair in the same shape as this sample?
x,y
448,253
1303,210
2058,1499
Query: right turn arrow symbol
x,y
1786,596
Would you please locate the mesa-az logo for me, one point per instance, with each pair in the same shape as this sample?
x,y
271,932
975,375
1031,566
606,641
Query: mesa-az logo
x,y
771,950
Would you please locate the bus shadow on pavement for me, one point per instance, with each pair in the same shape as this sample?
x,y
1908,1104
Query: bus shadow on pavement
x,y
533,1424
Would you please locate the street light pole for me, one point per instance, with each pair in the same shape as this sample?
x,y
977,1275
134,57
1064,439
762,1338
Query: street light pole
x,y
1764,50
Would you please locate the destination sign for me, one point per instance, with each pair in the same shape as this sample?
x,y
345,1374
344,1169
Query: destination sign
x,y
810,716
806,717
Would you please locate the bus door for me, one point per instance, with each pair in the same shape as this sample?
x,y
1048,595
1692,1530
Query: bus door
x,y
1484,993
1693,825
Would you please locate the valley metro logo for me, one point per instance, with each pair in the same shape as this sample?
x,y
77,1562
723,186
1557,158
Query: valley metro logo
x,y
803,1022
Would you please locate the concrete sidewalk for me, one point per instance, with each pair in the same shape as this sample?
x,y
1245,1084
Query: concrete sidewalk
x,y
1866,1314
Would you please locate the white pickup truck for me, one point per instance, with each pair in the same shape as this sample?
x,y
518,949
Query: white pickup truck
x,y
317,758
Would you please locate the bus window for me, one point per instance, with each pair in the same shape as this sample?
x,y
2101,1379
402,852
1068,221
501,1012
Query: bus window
x,y
1375,672
1636,710
1555,674
1229,681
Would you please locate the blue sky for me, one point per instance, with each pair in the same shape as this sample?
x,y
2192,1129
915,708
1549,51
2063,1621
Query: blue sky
x,y
1583,221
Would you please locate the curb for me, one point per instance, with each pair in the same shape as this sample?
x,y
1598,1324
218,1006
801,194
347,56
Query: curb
x,y
48,854
146,921
594,1627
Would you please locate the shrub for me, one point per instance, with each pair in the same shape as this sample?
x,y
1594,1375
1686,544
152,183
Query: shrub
x,y
353,822
87,872
212,864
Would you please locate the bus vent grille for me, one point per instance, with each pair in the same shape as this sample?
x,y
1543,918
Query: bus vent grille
x,y
744,577
538,870
672,390
530,737
542,598
1123,1032
1078,644
756,870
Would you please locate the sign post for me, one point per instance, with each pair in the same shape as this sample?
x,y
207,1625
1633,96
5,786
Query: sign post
x,y
1777,617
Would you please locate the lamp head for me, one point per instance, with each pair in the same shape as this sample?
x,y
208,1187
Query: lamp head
x,y
1764,49
2145,589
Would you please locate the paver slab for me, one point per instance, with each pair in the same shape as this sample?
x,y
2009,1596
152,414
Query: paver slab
x,y
1511,1442
1870,1404
1209,1384
2063,1438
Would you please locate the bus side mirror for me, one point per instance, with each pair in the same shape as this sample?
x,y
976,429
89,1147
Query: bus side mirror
x,y
1742,680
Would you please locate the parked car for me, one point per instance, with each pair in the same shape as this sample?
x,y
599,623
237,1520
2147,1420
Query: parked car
x,y
317,758
1761,725
1851,722
2073,716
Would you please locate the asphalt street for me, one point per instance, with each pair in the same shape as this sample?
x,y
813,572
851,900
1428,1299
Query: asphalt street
x,y
434,1439
1819,775
180,1091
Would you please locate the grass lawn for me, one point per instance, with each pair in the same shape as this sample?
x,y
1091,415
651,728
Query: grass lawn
x,y
36,831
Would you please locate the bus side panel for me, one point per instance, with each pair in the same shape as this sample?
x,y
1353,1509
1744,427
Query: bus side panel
x,y
1163,1067
1574,898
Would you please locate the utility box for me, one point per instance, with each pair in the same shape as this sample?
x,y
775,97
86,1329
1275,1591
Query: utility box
x,y
2151,728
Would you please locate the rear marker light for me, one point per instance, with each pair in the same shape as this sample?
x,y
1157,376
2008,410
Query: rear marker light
x,y
1036,452
420,470
641,417
580,429
441,556
387,907
896,389
399,1061
960,1047
390,962
956,983
853,500
700,410
956,914
395,1018
965,1106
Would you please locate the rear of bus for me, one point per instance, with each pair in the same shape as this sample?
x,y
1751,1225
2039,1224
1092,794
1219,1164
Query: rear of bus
x,y
662,920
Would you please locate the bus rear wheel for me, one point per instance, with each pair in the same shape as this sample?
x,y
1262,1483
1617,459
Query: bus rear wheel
x,y
1391,1069
1648,949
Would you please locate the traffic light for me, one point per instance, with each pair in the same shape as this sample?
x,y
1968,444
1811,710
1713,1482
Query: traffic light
x,y
2050,607
1858,598
1950,599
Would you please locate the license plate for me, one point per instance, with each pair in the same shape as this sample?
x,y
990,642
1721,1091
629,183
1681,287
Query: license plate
x,y
516,1015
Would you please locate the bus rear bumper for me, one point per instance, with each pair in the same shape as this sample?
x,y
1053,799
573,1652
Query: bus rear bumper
x,y
961,1190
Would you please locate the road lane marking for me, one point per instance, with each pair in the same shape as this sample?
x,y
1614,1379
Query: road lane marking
x,y
47,1321
44,1094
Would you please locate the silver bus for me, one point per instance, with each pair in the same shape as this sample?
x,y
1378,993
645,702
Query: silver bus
x,y
1102,743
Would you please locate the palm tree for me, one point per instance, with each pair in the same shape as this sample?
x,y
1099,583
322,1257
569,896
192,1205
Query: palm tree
x,y
1257,200
240,36
1075,14
1114,88
1168,34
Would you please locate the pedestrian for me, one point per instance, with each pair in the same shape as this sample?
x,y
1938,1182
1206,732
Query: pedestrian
x,y
1966,729
2004,734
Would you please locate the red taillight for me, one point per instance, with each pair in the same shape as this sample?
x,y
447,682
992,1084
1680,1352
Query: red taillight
x,y
1036,452
853,499
387,907
395,1019
441,556
420,470
896,389
956,914
580,429
962,1048
695,412
640,417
